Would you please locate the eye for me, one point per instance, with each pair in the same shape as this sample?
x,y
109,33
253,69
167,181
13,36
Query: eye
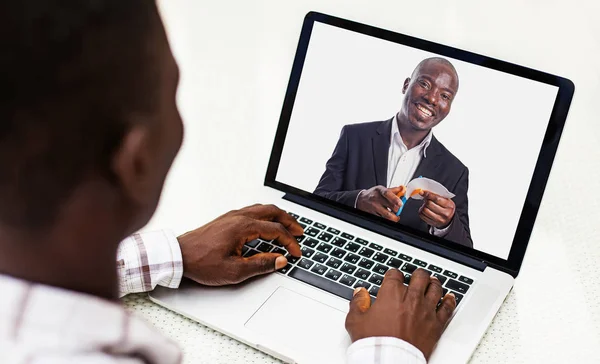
x,y
446,97
423,84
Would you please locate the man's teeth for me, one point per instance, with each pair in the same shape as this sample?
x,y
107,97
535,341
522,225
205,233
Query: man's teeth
x,y
424,110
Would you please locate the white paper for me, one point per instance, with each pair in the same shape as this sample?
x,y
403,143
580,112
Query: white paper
x,y
427,184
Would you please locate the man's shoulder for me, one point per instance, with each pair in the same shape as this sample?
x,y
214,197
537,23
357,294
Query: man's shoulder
x,y
449,157
363,127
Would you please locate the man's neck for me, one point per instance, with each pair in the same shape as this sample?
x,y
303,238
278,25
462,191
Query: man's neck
x,y
410,136
77,253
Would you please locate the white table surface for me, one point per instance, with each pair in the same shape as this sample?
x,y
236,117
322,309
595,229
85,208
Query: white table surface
x,y
235,58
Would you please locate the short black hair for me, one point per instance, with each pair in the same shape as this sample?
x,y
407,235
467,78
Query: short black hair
x,y
441,60
71,72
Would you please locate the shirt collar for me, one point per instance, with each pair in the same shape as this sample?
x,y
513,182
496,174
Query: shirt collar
x,y
395,135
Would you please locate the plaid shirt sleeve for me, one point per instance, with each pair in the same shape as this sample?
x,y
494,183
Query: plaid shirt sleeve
x,y
145,260
383,350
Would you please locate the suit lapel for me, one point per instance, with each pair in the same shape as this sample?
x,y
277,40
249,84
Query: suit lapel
x,y
429,165
381,146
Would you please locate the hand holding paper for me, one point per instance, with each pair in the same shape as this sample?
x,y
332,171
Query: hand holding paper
x,y
438,208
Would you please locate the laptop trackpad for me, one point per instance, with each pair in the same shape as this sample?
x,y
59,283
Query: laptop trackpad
x,y
294,319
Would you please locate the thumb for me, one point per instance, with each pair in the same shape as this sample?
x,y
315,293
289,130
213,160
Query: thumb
x,y
361,301
398,191
258,264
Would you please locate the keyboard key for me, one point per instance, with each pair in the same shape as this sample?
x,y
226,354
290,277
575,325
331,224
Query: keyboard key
x,y
361,241
320,257
312,232
435,268
457,286
376,247
407,279
322,283
334,263
459,297
305,263
319,269
440,277
333,231
395,263
348,268
339,242
347,236
409,268
333,274
286,269
366,263
362,283
264,247
325,248
245,250
293,215
338,253
362,274
366,252
450,274
444,291
376,279
390,252
251,252
291,259
325,237
374,291
307,252
279,251
352,258
348,281
300,238
465,280
380,269
306,221
311,242
352,247
320,226
302,225
405,257
420,263
380,257
254,243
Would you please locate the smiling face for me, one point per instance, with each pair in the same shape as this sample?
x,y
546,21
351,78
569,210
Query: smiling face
x,y
428,94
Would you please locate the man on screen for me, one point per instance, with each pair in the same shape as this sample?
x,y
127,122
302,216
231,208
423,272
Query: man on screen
x,y
372,160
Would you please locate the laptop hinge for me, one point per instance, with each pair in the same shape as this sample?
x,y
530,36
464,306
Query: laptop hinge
x,y
390,233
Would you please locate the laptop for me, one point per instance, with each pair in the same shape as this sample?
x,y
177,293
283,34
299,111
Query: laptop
x,y
488,160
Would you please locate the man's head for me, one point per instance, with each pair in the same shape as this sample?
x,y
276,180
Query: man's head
x,y
429,93
87,97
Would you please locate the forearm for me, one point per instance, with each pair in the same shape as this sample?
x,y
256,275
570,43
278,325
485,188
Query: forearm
x,y
145,260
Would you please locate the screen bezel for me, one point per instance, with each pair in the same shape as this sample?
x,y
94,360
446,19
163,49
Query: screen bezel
x,y
542,169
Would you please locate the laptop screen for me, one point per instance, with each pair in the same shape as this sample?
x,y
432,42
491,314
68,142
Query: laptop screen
x,y
442,146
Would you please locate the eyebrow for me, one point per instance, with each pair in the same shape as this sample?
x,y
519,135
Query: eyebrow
x,y
431,80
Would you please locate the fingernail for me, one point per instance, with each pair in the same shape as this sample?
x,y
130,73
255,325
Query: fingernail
x,y
280,262
451,294
434,277
356,291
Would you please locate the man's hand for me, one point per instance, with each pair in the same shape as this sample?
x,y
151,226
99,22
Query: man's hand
x,y
436,211
408,313
377,200
212,253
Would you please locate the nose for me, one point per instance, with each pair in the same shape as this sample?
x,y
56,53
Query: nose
x,y
431,97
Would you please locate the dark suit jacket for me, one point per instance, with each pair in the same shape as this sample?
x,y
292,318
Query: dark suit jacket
x,y
360,160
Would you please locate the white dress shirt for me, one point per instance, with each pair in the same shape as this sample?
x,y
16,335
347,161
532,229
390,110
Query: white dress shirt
x,y
43,324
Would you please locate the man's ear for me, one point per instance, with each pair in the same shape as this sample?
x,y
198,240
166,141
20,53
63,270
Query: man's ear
x,y
132,166
405,86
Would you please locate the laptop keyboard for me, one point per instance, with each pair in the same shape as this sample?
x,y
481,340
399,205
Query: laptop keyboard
x,y
338,262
